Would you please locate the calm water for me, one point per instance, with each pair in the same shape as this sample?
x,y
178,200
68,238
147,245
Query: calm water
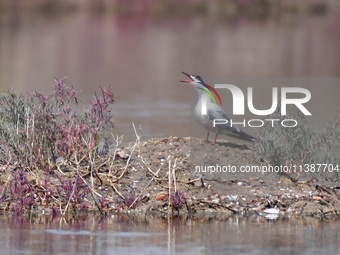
x,y
141,58
127,235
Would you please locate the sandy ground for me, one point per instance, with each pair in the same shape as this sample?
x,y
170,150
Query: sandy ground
x,y
221,189
200,178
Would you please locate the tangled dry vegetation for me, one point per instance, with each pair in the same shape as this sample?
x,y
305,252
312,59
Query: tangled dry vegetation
x,y
57,161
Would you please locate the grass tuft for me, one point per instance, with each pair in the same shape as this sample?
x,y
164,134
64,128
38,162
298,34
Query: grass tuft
x,y
302,146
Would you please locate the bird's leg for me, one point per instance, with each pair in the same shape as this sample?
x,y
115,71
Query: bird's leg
x,y
215,138
207,137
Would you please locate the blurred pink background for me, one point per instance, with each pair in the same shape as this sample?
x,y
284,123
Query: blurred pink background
x,y
139,48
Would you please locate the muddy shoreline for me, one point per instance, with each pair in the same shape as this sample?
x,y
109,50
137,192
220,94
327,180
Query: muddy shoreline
x,y
135,179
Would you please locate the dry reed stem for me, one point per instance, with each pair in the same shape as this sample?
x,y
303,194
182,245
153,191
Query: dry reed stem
x,y
169,183
149,169
91,189
115,189
132,151
68,202
136,199
118,141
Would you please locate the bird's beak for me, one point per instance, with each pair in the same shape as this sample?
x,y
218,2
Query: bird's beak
x,y
187,81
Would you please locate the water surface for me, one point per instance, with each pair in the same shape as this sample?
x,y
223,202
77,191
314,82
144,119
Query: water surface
x,y
128,235
141,57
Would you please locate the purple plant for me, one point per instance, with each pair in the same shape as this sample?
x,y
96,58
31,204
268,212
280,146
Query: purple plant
x,y
48,187
129,199
21,192
54,210
74,190
178,200
103,202
39,127
36,129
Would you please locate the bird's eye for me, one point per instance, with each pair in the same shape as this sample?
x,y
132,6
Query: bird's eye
x,y
198,77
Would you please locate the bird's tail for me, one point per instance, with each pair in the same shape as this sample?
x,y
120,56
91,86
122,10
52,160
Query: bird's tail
x,y
243,135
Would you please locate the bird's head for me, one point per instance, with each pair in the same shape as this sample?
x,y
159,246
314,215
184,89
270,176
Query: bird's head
x,y
194,80
197,82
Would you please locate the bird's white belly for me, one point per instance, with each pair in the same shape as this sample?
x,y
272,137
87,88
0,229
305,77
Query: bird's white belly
x,y
204,120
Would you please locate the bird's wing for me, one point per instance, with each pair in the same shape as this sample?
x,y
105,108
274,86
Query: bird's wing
x,y
216,112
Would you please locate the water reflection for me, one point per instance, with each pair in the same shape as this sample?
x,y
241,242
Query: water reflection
x,y
141,57
125,235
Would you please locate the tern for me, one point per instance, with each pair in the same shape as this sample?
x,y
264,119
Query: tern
x,y
207,110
